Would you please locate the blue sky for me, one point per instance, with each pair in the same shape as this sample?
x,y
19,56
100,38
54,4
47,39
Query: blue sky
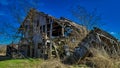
x,y
110,10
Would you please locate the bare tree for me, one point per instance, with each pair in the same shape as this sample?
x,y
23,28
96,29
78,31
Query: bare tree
x,y
21,8
88,19
18,11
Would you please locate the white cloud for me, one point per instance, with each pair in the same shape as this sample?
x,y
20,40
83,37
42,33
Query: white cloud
x,y
113,33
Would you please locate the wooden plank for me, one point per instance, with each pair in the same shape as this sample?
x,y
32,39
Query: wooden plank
x,y
51,22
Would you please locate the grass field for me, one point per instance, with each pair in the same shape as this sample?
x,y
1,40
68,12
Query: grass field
x,y
100,60
36,63
21,63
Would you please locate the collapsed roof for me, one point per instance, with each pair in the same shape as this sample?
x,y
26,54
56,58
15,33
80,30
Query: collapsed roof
x,y
99,39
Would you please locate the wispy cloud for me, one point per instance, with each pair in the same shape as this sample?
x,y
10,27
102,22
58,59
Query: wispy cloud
x,y
113,33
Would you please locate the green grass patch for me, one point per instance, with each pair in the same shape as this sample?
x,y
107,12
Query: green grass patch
x,y
36,63
21,63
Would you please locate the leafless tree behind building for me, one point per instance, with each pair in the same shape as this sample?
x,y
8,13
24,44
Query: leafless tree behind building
x,y
86,18
18,11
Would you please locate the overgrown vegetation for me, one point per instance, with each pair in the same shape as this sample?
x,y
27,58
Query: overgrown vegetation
x,y
101,59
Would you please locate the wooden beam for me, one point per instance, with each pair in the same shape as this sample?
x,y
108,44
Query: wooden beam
x,y
51,22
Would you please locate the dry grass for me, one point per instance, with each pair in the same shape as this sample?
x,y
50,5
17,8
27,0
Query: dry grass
x,y
53,64
102,60
2,50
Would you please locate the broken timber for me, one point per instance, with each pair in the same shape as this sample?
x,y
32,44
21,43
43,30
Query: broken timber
x,y
98,38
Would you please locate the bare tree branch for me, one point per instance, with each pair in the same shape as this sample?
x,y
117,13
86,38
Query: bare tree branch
x,y
88,19
18,12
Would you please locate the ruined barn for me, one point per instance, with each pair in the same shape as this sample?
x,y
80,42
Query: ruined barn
x,y
46,36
